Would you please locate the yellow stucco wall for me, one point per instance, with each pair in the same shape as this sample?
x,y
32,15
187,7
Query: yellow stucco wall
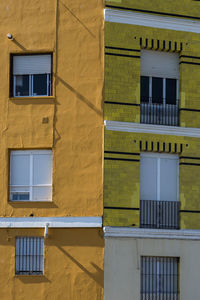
x,y
73,260
73,32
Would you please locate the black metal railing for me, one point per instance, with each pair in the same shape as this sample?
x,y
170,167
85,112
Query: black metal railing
x,y
159,214
159,114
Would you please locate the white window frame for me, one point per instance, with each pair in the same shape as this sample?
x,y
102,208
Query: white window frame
x,y
29,255
31,86
159,156
29,153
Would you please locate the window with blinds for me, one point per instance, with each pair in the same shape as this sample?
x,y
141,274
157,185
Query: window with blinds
x,y
159,87
31,175
31,75
29,256
159,278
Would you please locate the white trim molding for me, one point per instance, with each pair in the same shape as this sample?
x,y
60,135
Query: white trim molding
x,y
51,222
142,233
152,20
153,129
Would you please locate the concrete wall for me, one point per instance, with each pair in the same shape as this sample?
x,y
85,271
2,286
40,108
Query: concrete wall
x,y
122,265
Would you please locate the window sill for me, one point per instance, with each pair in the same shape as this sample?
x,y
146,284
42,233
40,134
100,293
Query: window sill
x,y
33,98
30,201
29,276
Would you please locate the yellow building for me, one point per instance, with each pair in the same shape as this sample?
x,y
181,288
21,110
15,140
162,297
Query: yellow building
x,y
152,153
52,69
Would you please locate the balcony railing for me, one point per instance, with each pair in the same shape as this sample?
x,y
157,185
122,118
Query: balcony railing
x,y
159,214
159,114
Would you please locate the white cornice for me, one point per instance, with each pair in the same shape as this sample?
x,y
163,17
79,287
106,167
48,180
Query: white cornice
x,y
53,222
152,20
154,129
126,232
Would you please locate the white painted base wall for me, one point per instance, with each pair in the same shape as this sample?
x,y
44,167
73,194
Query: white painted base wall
x,y
122,265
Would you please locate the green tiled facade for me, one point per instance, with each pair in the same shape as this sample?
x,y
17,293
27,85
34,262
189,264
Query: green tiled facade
x,y
123,45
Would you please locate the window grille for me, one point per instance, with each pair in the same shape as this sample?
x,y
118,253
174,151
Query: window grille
x,y
159,278
29,255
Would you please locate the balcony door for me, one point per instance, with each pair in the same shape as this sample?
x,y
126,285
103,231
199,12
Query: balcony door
x,y
159,88
159,190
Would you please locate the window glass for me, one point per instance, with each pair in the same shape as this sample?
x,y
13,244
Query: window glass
x,y
22,85
31,175
20,196
148,178
171,91
157,90
42,165
144,89
20,170
42,193
40,85
168,179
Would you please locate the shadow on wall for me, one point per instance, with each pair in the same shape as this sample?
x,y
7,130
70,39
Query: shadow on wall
x,y
77,19
19,45
32,279
79,96
97,275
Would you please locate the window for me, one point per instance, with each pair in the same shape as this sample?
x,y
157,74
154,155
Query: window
x,y
29,256
31,175
159,87
31,75
159,190
159,278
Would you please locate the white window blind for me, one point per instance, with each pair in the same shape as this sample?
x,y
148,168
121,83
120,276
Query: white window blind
x,y
159,64
31,175
31,64
159,177
29,256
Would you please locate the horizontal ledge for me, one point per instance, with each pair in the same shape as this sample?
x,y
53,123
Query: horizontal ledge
x,y
33,98
126,232
154,129
52,222
152,20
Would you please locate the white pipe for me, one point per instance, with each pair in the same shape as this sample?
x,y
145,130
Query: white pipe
x,y
46,230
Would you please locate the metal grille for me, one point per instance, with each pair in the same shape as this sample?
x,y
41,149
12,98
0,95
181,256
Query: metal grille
x,y
159,114
159,214
159,278
29,255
